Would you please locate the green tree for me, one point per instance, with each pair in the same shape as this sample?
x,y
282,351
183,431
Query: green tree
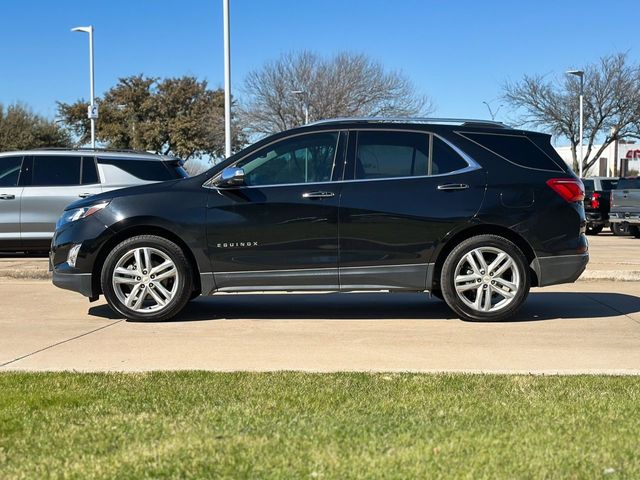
x,y
21,129
178,116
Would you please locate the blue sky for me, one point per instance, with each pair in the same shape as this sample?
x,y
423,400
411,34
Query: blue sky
x,y
458,52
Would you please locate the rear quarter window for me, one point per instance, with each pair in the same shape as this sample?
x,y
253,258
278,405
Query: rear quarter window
x,y
150,170
517,149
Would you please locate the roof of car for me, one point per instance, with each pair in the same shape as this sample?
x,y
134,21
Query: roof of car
x,y
113,153
466,122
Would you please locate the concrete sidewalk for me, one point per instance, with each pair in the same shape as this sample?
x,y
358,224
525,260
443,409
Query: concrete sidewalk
x,y
589,327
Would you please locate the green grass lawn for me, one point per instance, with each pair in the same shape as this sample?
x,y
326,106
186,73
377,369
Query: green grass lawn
x,y
294,425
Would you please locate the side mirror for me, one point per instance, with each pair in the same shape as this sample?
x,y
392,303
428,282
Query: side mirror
x,y
231,176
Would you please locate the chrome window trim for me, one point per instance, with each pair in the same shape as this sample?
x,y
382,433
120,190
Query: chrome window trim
x,y
472,165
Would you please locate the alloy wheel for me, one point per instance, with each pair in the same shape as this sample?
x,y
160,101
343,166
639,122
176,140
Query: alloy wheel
x,y
145,279
487,279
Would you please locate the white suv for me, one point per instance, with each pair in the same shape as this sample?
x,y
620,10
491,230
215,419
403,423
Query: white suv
x,y
36,186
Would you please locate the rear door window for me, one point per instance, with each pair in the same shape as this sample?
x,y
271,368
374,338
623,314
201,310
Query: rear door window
x,y
444,158
89,171
517,149
391,154
609,184
10,171
55,171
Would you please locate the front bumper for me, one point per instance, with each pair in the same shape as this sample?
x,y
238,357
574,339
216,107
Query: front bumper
x,y
559,269
76,282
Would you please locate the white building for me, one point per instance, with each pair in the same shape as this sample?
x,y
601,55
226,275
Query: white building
x,y
628,153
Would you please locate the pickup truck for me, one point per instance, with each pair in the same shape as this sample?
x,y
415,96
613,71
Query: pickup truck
x,y
625,205
596,202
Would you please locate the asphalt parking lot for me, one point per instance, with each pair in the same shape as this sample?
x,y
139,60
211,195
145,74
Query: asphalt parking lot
x,y
592,326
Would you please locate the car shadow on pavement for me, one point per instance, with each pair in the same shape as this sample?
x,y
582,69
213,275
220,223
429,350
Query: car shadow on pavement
x,y
381,306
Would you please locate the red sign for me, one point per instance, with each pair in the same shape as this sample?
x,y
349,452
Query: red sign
x,y
633,154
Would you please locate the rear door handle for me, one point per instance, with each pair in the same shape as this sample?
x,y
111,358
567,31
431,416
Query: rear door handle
x,y
84,195
318,194
7,196
453,186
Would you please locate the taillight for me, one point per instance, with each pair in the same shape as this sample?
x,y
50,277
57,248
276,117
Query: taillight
x,y
595,200
571,189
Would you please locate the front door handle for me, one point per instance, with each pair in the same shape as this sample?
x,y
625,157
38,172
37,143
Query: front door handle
x,y
7,196
318,194
453,186
84,195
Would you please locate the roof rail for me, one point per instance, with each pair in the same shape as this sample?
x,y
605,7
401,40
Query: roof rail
x,y
100,149
428,120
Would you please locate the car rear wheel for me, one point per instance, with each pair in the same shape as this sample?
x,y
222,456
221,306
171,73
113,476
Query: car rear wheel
x,y
147,278
620,229
485,278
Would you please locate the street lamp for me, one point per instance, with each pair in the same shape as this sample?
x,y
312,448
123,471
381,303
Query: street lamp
x,y
93,108
305,103
580,74
227,79
491,112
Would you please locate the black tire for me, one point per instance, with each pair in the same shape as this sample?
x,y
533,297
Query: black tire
x,y
447,279
184,278
620,229
634,230
594,230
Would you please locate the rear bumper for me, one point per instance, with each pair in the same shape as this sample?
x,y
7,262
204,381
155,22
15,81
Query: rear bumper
x,y
629,217
596,218
559,269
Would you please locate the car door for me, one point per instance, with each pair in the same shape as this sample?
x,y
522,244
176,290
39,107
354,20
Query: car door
x,y
54,181
279,229
10,195
404,191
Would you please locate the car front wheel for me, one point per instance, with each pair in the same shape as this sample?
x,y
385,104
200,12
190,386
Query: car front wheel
x,y
485,278
147,278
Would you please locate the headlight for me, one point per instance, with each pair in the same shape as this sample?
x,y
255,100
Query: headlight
x,y
78,213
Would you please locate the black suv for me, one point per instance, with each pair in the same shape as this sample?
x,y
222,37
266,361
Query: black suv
x,y
474,212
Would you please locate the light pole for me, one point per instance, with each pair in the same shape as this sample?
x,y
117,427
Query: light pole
x,y
93,109
305,103
491,112
580,74
227,80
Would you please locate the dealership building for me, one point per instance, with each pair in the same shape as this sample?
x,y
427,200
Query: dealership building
x,y
627,155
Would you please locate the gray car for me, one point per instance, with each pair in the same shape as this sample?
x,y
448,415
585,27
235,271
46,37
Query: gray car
x,y
36,186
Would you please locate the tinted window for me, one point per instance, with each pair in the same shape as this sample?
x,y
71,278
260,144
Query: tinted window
x,y
391,154
444,158
517,149
89,172
55,170
609,184
588,185
302,159
151,170
628,183
10,171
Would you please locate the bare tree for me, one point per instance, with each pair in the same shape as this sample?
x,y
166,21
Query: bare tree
x,y
281,92
611,105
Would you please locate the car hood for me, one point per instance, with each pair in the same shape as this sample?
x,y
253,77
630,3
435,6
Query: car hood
x,y
124,192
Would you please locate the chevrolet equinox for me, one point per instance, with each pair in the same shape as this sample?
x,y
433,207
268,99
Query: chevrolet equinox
x,y
473,212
